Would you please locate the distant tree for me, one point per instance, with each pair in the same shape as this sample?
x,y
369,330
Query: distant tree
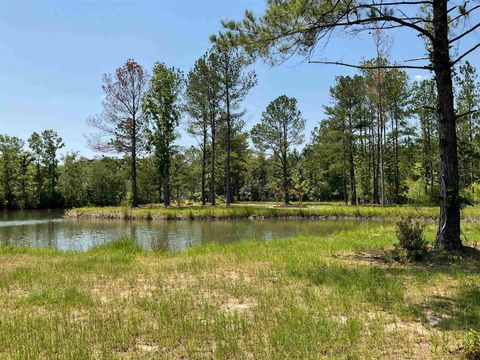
x,y
398,96
45,148
106,184
51,144
468,125
25,180
201,96
280,129
162,109
348,99
122,125
35,144
149,181
423,102
72,181
229,64
10,156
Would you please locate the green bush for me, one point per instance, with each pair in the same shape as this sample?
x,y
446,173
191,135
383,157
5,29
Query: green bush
x,y
471,345
412,245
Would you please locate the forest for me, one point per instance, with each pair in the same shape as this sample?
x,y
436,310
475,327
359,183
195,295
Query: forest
x,y
377,144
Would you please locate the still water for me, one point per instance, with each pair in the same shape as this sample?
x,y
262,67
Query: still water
x,y
50,229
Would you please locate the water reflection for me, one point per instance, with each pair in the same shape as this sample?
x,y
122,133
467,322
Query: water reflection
x,y
50,229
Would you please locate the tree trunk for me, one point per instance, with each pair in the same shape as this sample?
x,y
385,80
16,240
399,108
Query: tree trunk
x,y
286,198
204,162
374,167
133,174
166,186
344,173
472,165
238,186
397,168
229,151
448,233
353,184
382,156
228,169
212,165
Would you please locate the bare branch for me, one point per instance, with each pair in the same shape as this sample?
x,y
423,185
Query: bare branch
x,y
467,113
416,59
465,54
373,67
465,33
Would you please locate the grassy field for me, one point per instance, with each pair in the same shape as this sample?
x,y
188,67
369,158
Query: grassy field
x,y
304,297
265,210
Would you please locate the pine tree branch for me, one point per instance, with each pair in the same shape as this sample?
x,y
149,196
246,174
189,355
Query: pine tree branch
x,y
465,54
465,33
364,67
467,113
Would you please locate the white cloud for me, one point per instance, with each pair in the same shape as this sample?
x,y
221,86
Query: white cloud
x,y
421,77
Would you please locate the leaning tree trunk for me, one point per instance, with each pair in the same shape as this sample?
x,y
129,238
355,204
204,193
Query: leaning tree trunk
x,y
448,233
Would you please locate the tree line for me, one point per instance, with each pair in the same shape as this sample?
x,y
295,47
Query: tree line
x,y
376,145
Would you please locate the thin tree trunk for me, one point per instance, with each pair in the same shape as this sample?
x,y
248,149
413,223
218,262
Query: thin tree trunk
x,y
374,152
204,162
166,186
212,165
344,172
133,172
238,186
286,198
472,165
381,150
229,150
448,233
397,168
353,184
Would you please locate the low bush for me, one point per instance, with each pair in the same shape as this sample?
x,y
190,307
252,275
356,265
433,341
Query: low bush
x,y
411,245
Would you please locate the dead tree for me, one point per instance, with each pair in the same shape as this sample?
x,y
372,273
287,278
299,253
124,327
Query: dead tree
x,y
121,125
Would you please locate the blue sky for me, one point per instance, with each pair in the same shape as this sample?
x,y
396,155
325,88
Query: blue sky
x,y
53,55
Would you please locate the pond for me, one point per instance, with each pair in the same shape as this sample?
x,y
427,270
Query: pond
x,y
50,229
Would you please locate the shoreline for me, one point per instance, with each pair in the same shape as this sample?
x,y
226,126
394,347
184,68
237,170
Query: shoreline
x,y
239,212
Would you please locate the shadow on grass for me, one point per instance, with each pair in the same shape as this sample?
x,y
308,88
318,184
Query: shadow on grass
x,y
386,286
461,312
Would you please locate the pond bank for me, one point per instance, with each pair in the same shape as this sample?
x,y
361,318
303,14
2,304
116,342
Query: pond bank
x,y
259,212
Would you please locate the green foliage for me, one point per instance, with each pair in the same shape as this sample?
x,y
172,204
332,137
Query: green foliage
x,y
471,345
44,147
411,245
162,108
72,180
280,130
10,170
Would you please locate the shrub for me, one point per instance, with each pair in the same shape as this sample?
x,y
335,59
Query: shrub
x,y
471,345
412,245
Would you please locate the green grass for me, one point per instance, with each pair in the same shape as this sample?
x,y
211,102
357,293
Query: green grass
x,y
302,297
267,210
